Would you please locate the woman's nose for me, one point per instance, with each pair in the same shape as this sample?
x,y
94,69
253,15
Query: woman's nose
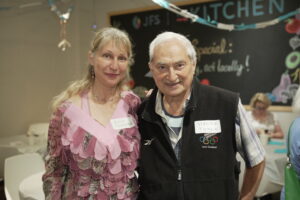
x,y
114,64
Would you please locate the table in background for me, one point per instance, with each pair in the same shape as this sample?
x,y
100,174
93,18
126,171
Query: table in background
x,y
273,176
24,143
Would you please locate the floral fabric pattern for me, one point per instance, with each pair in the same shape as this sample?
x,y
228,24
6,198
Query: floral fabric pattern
x,y
81,166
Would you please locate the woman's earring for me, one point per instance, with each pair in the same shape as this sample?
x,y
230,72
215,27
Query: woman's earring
x,y
92,73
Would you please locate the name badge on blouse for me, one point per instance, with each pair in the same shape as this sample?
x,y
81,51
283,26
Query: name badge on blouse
x,y
207,126
121,123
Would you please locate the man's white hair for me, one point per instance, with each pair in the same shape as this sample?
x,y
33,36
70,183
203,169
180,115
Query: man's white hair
x,y
296,102
166,36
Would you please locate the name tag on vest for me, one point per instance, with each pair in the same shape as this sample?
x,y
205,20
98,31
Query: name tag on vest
x,y
121,123
207,126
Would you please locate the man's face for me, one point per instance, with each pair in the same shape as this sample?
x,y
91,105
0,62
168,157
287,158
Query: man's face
x,y
172,69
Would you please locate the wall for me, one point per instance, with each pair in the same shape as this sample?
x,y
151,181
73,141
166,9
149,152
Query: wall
x,y
285,119
33,69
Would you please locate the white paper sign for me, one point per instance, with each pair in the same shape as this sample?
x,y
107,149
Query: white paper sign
x,y
207,126
121,123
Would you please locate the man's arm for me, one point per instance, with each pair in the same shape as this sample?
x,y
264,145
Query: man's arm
x,y
252,151
252,180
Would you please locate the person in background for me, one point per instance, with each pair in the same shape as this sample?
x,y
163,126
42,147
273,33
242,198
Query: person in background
x,y
190,133
264,121
294,139
93,136
142,92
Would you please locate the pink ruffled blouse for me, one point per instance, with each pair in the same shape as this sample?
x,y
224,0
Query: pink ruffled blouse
x,y
87,160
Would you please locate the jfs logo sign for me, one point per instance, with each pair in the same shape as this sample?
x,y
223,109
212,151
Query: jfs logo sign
x,y
146,21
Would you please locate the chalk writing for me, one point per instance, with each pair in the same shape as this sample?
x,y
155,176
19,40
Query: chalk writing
x,y
234,67
223,47
238,9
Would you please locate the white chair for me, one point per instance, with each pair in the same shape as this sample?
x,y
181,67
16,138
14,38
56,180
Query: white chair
x,y
38,133
31,188
38,129
6,151
17,168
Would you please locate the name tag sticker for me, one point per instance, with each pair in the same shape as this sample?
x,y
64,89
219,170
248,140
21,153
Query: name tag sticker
x,y
121,123
207,126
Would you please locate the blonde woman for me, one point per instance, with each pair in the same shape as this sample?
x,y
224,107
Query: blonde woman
x,y
263,120
93,136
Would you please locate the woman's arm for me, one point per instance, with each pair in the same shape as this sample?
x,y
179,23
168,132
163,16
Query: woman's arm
x,y
53,177
277,133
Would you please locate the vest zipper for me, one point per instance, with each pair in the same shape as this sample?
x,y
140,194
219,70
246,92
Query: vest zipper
x,y
179,171
179,174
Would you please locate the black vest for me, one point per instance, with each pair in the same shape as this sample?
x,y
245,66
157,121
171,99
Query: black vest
x,y
208,170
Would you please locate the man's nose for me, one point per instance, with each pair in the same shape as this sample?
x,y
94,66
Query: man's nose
x,y
172,74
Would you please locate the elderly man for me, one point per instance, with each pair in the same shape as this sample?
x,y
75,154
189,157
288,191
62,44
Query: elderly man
x,y
190,133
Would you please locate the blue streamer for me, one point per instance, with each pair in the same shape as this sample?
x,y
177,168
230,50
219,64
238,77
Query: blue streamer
x,y
162,3
240,27
288,15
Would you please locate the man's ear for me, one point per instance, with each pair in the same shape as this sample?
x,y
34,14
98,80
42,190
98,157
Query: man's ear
x,y
194,68
91,58
150,66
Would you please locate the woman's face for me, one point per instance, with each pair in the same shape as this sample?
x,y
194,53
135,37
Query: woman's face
x,y
110,64
260,108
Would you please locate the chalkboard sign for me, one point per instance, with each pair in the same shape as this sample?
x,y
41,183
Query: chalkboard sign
x,y
254,60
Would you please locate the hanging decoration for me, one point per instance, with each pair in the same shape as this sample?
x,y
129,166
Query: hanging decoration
x,y
218,25
94,24
63,17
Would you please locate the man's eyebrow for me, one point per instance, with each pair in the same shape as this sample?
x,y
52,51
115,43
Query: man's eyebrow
x,y
161,63
180,61
166,63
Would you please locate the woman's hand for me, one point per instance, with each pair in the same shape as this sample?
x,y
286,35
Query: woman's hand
x,y
148,92
260,131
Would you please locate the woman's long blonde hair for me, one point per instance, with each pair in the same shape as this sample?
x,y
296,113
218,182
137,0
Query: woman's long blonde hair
x,y
102,37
